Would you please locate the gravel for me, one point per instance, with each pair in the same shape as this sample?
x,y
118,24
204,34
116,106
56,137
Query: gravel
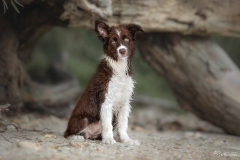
x,y
162,135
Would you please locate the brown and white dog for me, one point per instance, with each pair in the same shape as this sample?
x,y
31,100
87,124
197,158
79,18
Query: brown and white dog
x,y
105,103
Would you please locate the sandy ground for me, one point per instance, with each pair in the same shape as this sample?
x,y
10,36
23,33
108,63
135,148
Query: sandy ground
x,y
163,134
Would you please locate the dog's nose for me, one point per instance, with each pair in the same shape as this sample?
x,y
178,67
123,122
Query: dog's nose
x,y
123,51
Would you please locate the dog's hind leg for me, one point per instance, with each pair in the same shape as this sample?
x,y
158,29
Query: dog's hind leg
x,y
76,126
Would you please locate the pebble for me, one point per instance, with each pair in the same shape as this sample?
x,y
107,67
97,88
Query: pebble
x,y
28,144
137,128
100,148
76,144
40,139
188,134
53,147
63,150
50,136
197,135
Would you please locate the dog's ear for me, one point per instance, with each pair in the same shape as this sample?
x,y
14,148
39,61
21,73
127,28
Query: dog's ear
x,y
134,29
101,29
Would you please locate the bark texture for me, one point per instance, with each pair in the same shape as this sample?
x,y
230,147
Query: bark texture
x,y
198,17
12,74
18,36
201,75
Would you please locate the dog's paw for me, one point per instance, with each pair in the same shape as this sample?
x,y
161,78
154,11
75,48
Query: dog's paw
x,y
108,141
75,137
130,142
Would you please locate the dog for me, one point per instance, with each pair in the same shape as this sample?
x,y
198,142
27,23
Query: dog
x,y
104,106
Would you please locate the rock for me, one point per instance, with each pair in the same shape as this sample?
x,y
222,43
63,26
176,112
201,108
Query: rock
x,y
137,128
40,139
197,135
50,136
28,144
53,147
76,144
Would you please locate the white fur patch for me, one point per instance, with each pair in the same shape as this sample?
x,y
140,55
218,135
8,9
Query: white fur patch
x,y
119,67
117,102
118,32
118,51
102,32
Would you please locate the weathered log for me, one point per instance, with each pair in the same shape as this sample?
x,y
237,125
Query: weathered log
x,y
201,75
198,17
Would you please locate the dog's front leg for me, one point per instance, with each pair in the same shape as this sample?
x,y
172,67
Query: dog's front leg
x,y
122,124
106,114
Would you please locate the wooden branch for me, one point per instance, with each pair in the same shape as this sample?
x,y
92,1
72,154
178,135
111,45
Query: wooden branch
x,y
77,12
199,17
51,99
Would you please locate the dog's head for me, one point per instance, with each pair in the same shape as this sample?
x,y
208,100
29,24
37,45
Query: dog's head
x,y
118,41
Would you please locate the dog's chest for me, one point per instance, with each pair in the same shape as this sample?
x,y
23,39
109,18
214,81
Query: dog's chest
x,y
120,89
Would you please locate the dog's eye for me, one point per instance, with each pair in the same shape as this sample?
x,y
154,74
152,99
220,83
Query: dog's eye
x,y
113,42
126,40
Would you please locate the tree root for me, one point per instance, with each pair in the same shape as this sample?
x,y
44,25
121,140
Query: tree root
x,y
56,100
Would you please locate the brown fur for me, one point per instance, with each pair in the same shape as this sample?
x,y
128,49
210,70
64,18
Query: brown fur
x,y
88,107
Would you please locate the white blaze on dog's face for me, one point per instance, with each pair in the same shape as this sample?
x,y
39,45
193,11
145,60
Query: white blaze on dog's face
x,y
122,52
119,41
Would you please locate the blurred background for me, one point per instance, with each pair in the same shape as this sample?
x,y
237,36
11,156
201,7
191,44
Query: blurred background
x,y
80,52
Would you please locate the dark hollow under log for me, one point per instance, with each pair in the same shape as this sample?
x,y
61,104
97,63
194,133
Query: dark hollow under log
x,y
18,36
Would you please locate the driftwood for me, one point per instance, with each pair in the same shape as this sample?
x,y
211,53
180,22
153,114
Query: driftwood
x,y
198,17
201,75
